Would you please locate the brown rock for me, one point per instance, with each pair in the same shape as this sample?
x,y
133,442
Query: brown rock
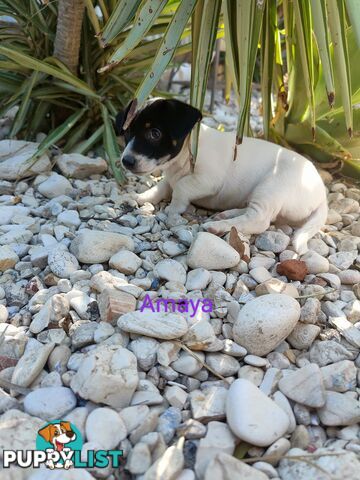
x,y
6,362
293,269
113,303
51,280
319,281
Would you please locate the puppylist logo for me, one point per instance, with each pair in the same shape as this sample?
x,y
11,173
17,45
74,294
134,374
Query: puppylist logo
x,y
58,445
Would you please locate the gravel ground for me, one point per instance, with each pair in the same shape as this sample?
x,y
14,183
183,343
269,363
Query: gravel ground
x,y
271,371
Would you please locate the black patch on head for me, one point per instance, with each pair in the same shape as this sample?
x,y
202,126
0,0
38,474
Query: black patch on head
x,y
160,128
182,118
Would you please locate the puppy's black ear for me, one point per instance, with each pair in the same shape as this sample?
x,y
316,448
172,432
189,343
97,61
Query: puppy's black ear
x,y
121,118
183,118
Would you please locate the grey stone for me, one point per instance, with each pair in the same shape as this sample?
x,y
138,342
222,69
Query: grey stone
x,y
79,166
339,409
31,363
108,374
93,246
54,186
340,376
265,322
272,241
303,335
345,465
304,386
50,403
328,351
218,439
15,156
252,416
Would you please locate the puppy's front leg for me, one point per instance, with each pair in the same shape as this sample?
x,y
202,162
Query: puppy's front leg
x,y
161,191
189,188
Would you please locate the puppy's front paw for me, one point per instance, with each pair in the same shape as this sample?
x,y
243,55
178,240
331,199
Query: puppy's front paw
x,y
50,464
129,199
217,228
218,216
68,464
141,199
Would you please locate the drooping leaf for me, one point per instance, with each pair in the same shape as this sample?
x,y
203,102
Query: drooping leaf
x,y
20,117
353,9
303,23
166,50
249,16
44,67
320,25
38,118
58,133
205,30
145,17
111,147
267,62
77,134
84,146
91,12
119,18
231,42
337,25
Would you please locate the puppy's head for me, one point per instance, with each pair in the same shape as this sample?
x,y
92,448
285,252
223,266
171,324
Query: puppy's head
x,y
58,434
156,133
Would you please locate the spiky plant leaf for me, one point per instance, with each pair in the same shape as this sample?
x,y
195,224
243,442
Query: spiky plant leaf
x,y
111,146
144,19
353,9
320,25
204,29
119,18
166,50
337,25
249,16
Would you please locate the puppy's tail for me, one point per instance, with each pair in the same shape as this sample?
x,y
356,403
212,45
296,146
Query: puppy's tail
x,y
314,223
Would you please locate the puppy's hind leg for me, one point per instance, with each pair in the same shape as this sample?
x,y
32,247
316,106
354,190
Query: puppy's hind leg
x,y
235,212
314,223
254,220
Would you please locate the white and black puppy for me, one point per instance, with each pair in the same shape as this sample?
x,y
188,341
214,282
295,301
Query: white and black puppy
x,y
265,183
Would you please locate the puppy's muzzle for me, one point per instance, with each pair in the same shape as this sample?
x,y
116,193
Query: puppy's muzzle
x,y
129,162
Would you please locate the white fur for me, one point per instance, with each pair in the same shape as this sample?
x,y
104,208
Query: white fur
x,y
272,182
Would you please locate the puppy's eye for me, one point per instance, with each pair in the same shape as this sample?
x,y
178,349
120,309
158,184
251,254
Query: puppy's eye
x,y
154,134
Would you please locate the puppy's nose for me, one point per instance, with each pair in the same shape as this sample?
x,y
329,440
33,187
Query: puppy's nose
x,y
70,433
128,161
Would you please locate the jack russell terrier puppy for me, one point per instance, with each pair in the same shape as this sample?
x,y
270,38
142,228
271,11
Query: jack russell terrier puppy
x,y
265,183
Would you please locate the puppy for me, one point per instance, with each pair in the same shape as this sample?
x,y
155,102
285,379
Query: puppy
x,y
265,183
58,434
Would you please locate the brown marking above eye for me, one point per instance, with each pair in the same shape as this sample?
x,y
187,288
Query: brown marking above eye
x,y
147,125
174,142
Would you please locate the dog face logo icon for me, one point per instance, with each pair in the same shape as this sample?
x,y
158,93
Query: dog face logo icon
x,y
58,434
59,439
